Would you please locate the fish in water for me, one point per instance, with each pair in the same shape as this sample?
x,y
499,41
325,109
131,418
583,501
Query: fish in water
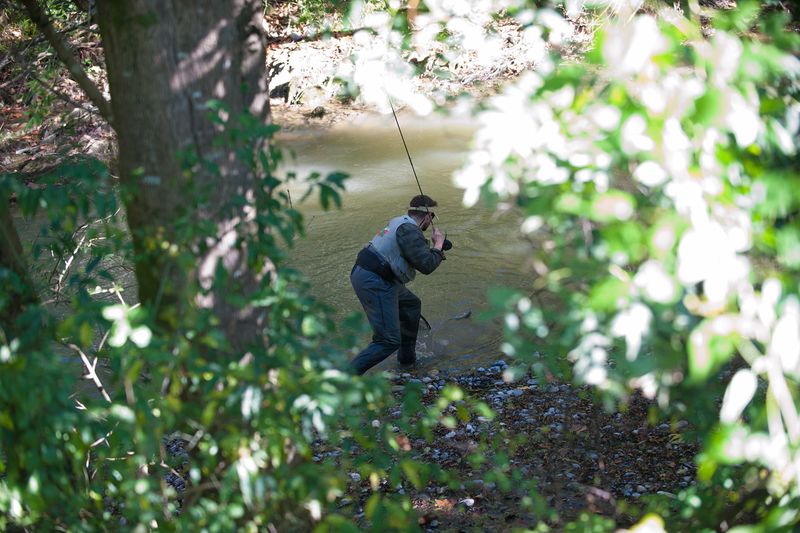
x,y
462,316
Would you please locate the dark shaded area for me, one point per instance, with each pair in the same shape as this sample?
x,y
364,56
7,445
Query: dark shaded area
x,y
580,457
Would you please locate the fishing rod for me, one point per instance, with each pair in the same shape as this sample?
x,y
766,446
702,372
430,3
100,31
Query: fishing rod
x,y
402,138
447,244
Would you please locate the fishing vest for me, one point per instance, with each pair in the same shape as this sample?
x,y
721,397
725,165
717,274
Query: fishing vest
x,y
385,243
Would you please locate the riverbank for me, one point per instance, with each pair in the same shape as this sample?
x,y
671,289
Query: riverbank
x,y
580,457
43,124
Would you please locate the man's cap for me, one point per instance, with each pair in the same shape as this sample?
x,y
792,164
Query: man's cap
x,y
423,209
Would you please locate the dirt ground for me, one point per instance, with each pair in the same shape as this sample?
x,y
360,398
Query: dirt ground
x,y
579,457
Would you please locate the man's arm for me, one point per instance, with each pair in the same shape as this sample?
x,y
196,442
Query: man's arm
x,y
415,249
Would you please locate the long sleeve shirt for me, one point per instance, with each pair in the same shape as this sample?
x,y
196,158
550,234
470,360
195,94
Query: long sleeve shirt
x,y
415,249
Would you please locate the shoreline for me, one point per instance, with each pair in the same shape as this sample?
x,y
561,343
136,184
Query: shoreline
x,y
581,457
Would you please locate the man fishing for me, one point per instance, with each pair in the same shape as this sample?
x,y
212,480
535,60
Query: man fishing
x,y
390,260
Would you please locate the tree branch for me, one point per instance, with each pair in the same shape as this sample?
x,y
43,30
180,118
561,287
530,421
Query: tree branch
x,y
64,53
317,36
91,373
12,257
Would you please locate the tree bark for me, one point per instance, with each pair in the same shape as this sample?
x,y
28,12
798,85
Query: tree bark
x,y
19,291
165,60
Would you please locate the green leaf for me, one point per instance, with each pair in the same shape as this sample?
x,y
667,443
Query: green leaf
x,y
123,413
570,203
611,206
788,244
312,326
664,234
707,107
86,334
500,297
336,524
337,179
607,295
411,470
739,19
626,238
711,344
782,194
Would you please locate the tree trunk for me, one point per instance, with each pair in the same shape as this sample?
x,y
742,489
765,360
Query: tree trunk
x,y
18,289
165,60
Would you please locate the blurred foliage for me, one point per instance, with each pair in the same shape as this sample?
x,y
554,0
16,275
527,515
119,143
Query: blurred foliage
x,y
660,182
660,179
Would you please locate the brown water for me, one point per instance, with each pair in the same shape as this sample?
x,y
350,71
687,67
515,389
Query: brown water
x,y
487,248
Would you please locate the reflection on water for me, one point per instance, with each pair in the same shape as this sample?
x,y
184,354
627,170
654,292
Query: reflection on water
x,y
487,250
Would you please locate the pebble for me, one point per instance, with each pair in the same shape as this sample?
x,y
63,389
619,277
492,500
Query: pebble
x,y
488,377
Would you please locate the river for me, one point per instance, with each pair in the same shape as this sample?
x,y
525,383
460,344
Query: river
x,y
487,248
487,252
